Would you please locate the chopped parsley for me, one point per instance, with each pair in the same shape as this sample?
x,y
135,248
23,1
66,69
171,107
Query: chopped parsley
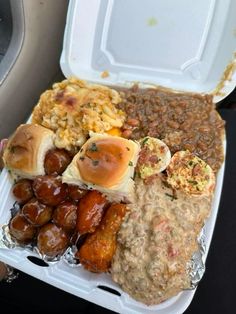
x,y
172,196
131,163
93,147
136,175
145,141
95,162
192,182
190,163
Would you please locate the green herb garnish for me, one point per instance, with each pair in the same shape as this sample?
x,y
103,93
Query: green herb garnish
x,y
192,182
145,141
136,175
173,197
95,162
93,147
131,163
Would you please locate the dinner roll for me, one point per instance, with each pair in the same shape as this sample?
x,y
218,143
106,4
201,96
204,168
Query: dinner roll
x,y
105,163
26,149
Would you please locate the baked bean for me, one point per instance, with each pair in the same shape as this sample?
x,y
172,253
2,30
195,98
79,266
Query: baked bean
x,y
160,113
173,124
189,147
202,146
204,129
127,133
132,122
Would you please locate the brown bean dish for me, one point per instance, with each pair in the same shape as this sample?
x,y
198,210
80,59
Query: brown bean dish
x,y
183,121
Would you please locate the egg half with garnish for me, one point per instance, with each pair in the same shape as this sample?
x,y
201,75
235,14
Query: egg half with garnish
x,y
105,163
191,174
154,157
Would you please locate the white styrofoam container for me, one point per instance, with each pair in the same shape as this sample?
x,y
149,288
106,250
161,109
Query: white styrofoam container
x,y
84,284
185,47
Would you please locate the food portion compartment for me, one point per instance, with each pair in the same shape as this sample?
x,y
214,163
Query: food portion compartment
x,y
97,288
107,173
87,285
80,283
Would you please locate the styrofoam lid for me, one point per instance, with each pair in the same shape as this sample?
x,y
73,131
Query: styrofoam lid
x,y
185,45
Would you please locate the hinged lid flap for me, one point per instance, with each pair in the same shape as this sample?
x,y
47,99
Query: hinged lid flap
x,y
185,45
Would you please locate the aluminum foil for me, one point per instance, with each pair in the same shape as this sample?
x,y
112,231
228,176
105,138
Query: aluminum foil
x,y
7,242
69,257
196,266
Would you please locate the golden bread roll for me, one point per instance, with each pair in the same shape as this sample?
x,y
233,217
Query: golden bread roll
x,y
105,163
26,149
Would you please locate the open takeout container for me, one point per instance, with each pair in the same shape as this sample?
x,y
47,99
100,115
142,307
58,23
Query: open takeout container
x,y
185,46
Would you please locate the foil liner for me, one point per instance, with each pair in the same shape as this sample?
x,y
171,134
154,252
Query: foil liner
x,y
69,257
7,242
196,266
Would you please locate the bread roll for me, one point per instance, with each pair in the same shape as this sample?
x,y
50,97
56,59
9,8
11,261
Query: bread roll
x,y
26,149
105,163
